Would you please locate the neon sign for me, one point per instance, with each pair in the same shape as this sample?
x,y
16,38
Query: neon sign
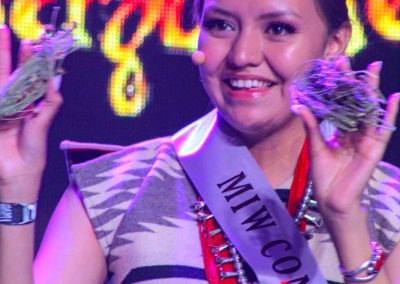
x,y
384,18
129,75
358,39
2,16
128,87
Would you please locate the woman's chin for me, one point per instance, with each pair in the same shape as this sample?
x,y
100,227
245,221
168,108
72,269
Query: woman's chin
x,y
260,126
250,128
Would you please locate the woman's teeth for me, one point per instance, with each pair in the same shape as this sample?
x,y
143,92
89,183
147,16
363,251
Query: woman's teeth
x,y
249,84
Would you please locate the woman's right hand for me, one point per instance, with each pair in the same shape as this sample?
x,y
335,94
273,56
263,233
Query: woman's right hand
x,y
23,141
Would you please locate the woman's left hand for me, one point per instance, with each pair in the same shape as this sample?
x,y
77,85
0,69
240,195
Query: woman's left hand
x,y
341,171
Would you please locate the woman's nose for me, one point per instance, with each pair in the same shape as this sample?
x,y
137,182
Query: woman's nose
x,y
246,50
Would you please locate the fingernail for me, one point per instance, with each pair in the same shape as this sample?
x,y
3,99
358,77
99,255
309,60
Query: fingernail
x,y
395,96
377,65
3,27
57,82
296,109
26,42
4,32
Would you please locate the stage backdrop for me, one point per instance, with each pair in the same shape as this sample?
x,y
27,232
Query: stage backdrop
x,y
133,78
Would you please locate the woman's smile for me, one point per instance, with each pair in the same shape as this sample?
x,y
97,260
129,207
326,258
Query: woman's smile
x,y
246,86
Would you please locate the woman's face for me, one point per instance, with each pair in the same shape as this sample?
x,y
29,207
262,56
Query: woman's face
x,y
253,49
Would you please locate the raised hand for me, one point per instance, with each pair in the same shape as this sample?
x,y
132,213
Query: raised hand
x,y
340,171
23,138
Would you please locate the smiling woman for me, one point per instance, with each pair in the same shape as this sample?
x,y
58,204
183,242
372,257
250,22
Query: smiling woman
x,y
250,193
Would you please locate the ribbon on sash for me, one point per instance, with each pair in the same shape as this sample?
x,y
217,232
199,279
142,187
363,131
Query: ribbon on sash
x,y
246,207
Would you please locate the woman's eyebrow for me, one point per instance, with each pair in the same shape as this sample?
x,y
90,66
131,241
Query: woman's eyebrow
x,y
279,14
219,10
268,15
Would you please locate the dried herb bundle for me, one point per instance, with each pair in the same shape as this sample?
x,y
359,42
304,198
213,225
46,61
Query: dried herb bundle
x,y
30,82
344,99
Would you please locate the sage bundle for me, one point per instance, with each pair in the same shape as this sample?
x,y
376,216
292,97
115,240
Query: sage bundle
x,y
344,99
30,82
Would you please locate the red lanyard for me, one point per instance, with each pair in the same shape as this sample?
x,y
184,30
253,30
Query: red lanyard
x,y
299,184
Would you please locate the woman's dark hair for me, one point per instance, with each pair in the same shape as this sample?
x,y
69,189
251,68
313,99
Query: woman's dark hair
x,y
334,12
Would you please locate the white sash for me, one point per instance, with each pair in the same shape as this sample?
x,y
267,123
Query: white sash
x,y
243,202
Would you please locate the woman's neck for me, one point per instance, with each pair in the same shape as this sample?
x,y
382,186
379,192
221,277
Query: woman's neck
x,y
278,152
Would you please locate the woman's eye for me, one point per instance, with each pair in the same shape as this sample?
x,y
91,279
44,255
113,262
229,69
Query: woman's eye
x,y
217,25
280,29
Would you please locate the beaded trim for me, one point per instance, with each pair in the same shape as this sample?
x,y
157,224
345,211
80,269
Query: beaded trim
x,y
234,258
306,203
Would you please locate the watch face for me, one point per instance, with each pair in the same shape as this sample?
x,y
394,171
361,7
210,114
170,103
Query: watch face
x,y
17,214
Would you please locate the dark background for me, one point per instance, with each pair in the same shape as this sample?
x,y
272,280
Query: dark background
x,y
177,97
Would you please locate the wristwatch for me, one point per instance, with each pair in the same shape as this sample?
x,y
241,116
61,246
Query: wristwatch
x,y
17,213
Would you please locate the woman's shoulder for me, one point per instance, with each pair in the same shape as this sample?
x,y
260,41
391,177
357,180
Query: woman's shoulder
x,y
81,152
109,178
385,180
99,170
386,170
383,200
87,158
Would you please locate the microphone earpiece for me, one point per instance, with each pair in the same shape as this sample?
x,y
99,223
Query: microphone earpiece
x,y
198,57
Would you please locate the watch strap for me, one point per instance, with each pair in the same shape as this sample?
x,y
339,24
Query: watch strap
x,y
17,213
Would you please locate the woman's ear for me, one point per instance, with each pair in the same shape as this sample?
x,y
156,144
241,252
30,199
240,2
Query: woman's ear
x,y
338,41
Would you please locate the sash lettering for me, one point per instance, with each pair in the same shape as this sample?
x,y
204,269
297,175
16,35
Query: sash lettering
x,y
280,250
259,218
302,280
232,185
260,221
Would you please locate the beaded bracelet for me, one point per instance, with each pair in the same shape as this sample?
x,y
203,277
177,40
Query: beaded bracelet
x,y
371,266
